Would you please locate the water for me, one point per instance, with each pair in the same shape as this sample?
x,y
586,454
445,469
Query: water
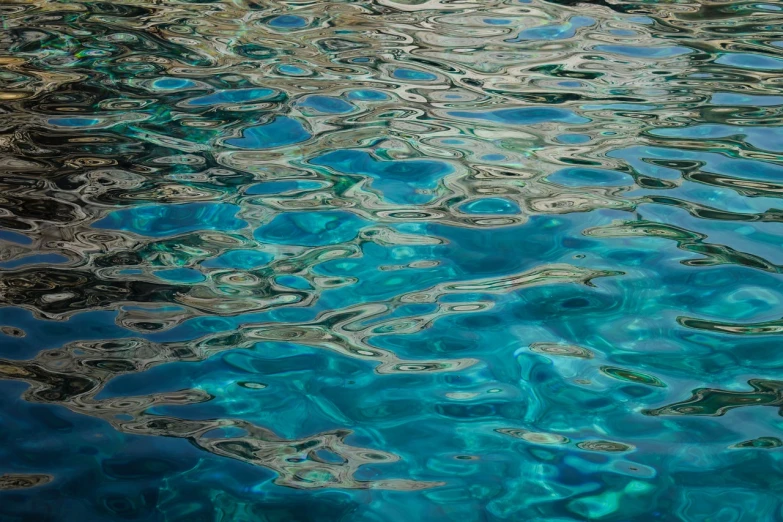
x,y
392,260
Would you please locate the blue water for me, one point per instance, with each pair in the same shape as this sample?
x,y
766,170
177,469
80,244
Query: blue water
x,y
391,261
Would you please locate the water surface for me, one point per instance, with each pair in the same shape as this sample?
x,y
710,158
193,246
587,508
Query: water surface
x,y
315,261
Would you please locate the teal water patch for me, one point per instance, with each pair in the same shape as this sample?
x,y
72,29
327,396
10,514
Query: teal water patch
x,y
232,97
761,137
399,181
75,122
327,104
745,100
522,116
413,75
173,84
585,177
281,131
293,70
556,31
311,228
180,275
240,259
296,282
751,61
573,139
645,52
288,22
169,220
368,95
490,206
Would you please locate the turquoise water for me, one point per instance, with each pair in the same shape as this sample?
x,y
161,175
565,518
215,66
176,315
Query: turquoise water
x,y
393,260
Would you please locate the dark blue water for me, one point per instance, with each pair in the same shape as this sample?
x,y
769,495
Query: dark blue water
x,y
389,261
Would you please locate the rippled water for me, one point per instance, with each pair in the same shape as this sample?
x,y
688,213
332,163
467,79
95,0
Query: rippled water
x,y
391,260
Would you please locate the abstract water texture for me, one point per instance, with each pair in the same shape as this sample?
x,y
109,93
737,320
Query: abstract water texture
x,y
391,260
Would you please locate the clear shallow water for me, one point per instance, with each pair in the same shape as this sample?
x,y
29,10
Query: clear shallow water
x,y
383,261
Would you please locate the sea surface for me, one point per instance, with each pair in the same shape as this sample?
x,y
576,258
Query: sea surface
x,y
391,261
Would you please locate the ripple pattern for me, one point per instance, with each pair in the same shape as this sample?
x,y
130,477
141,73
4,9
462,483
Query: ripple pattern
x,y
508,260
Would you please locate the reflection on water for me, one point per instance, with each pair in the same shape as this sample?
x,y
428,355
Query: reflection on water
x,y
320,261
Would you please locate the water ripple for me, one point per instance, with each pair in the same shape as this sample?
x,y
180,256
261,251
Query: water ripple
x,y
501,260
